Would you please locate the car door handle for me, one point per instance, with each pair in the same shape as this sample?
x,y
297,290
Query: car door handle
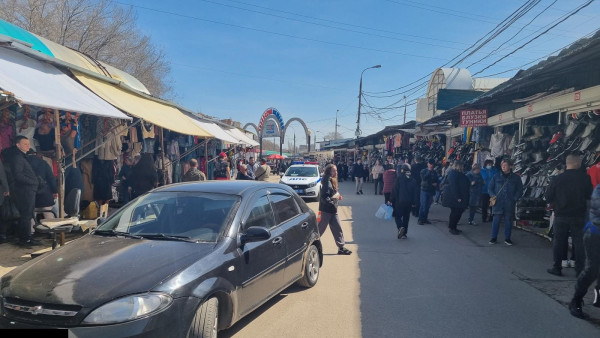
x,y
304,225
277,240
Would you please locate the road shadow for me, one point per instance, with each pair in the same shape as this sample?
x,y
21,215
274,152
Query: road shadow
x,y
237,327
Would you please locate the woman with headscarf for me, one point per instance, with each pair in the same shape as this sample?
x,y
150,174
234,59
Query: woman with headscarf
x,y
456,195
328,205
144,176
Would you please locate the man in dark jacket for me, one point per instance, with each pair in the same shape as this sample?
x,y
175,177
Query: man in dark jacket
x,y
4,191
456,195
358,173
417,168
404,197
569,194
48,187
24,185
429,183
507,188
591,244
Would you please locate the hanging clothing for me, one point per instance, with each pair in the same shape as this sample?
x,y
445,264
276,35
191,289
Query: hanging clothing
x,y
147,130
46,141
177,174
25,127
594,172
168,169
498,145
109,146
6,136
173,150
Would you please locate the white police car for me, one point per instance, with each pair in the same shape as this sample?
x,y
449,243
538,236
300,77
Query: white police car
x,y
304,178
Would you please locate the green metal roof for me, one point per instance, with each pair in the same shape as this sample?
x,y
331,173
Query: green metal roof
x,y
450,98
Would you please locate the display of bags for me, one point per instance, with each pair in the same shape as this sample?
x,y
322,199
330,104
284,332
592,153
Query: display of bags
x,y
8,210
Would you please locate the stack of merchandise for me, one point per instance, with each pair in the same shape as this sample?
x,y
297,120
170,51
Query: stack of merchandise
x,y
541,156
428,148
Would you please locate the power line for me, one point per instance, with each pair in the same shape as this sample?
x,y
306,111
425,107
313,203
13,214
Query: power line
x,y
536,37
345,24
512,37
503,25
277,33
447,11
328,26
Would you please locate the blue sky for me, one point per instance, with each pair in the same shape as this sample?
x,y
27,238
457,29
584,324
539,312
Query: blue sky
x,y
231,60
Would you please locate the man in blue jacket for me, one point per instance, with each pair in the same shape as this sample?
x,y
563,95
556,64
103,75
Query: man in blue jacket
x,y
487,172
507,188
591,244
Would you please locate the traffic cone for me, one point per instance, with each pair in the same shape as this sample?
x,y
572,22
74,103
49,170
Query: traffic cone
x,y
319,217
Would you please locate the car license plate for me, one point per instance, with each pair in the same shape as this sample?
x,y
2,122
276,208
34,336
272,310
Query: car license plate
x,y
300,191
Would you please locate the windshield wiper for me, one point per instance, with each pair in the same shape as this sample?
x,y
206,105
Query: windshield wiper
x,y
112,232
167,237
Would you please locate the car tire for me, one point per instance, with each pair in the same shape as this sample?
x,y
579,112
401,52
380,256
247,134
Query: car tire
x,y
312,266
206,321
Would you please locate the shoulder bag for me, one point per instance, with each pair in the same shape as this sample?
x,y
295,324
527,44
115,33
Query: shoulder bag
x,y
494,198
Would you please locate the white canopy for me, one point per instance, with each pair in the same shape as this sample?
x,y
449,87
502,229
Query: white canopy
x,y
41,84
242,137
217,131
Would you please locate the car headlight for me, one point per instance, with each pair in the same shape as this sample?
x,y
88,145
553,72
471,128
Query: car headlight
x,y
129,308
310,185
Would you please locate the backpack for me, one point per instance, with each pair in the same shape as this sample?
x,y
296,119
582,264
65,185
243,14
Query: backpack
x,y
221,169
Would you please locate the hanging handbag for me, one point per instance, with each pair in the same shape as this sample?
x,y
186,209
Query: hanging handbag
x,y
494,198
8,210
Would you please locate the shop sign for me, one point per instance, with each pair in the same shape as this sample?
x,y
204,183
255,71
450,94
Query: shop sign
x,y
473,118
577,96
271,129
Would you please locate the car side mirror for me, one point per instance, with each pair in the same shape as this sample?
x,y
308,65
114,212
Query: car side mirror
x,y
100,220
255,234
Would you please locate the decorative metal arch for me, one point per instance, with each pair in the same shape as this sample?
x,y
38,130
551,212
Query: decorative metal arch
x,y
303,125
250,124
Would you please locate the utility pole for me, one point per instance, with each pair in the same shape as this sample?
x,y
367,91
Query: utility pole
x,y
294,143
336,123
357,133
404,109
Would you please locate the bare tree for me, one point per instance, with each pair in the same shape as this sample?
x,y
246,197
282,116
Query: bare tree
x,y
333,136
98,28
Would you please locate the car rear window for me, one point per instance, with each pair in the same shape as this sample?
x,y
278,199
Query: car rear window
x,y
199,216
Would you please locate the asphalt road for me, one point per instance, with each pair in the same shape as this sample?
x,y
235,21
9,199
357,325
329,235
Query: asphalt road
x,y
433,284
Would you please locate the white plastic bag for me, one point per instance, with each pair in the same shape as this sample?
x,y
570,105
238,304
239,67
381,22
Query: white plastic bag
x,y
381,212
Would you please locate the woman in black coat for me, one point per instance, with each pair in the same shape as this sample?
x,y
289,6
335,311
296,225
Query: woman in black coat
x,y
144,176
328,204
456,195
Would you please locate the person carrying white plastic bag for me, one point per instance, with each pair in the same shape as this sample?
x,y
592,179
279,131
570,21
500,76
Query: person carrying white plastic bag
x,y
405,195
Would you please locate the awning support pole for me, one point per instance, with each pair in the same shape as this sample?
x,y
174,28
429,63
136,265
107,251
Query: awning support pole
x,y
162,154
61,183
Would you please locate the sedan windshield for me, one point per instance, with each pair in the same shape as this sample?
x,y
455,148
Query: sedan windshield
x,y
173,216
302,172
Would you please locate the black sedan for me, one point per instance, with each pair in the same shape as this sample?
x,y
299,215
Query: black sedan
x,y
186,260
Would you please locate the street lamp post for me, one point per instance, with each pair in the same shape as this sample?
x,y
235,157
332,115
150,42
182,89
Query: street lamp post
x,y
359,101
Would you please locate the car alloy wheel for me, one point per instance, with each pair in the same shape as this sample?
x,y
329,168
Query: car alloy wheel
x,y
312,266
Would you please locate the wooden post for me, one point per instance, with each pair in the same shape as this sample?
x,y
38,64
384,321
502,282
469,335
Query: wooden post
x,y
206,156
162,155
57,156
